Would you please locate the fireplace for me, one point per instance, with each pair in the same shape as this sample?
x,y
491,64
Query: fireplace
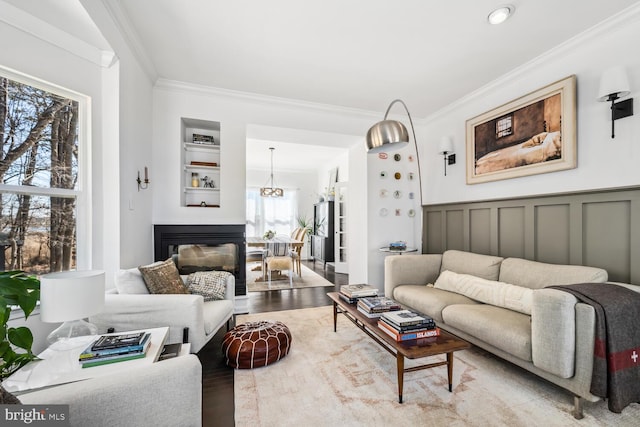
x,y
203,247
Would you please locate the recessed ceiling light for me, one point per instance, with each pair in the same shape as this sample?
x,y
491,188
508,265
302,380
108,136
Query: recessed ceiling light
x,y
499,15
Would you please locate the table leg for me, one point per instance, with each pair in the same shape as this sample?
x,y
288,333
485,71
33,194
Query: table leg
x,y
335,316
450,369
400,363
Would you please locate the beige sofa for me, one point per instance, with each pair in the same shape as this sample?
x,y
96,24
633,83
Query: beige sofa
x,y
499,304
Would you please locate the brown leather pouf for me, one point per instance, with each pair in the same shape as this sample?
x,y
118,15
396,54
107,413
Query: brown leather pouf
x,y
256,344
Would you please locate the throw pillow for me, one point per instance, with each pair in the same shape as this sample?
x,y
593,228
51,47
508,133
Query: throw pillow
x,y
212,285
162,277
130,281
505,295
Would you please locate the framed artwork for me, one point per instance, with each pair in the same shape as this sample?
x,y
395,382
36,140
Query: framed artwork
x,y
533,134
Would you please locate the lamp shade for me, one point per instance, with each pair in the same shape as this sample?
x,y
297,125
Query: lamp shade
x,y
71,295
613,81
387,135
446,145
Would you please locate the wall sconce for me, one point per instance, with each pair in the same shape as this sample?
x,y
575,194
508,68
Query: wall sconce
x,y
446,149
143,184
614,84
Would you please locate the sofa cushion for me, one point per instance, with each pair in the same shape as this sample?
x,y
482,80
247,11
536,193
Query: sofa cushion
x,y
485,266
212,285
162,277
501,294
537,275
428,300
505,329
130,281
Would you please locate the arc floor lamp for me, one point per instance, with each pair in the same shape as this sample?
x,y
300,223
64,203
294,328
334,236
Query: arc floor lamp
x,y
393,135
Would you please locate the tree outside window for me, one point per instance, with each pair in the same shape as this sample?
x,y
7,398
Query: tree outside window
x,y
38,178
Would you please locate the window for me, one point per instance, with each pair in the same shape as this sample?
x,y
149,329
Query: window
x,y
503,127
271,213
41,133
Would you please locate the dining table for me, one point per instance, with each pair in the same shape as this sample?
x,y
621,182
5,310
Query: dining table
x,y
260,242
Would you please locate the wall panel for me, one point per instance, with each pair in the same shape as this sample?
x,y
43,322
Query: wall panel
x,y
597,228
480,230
551,234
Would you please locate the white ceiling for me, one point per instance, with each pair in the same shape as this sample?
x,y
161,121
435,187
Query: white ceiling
x,y
357,54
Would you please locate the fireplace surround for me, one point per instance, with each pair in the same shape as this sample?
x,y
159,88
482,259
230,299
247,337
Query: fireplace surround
x,y
203,247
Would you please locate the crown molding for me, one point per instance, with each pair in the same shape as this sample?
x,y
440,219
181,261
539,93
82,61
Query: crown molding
x,y
44,31
179,86
628,16
130,36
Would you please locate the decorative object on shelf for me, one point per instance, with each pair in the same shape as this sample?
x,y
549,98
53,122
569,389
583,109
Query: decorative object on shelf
x,y
411,176
383,174
397,157
446,149
209,164
383,193
544,141
203,139
397,194
383,156
271,191
384,212
269,234
397,175
195,179
614,84
70,297
398,212
392,134
208,182
411,213
16,288
143,184
411,195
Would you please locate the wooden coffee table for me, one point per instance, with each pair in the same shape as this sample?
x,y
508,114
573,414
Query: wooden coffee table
x,y
414,349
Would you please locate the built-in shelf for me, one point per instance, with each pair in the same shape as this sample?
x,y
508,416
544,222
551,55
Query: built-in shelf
x,y
206,156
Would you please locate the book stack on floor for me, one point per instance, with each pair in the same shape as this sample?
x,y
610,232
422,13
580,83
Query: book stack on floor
x,y
376,306
351,293
115,348
406,325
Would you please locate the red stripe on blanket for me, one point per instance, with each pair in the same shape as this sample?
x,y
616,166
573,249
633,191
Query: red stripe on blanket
x,y
624,359
600,349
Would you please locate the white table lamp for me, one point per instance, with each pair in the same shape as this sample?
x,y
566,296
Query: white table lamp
x,y
69,297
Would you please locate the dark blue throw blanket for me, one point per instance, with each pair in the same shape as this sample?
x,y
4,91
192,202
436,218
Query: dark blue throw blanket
x,y
616,362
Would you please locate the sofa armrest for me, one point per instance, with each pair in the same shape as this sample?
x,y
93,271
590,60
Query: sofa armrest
x,y
410,270
163,393
125,312
553,331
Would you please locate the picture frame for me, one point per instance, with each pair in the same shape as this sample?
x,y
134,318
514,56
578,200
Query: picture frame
x,y
530,135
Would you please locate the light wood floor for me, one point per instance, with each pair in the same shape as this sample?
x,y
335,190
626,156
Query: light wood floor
x,y
217,378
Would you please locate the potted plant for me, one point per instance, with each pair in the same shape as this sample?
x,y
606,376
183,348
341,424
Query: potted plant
x,y
16,289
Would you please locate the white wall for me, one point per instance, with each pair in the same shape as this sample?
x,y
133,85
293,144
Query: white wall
x,y
132,126
236,112
602,162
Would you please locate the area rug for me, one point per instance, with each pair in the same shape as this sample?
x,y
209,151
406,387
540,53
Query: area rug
x,y
309,279
346,379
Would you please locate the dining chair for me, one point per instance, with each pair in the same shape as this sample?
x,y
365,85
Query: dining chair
x,y
296,252
278,258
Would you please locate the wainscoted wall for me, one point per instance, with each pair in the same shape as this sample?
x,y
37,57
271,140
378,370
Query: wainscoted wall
x,y
596,228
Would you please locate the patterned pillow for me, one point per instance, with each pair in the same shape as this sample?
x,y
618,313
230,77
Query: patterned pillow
x,y
162,277
212,285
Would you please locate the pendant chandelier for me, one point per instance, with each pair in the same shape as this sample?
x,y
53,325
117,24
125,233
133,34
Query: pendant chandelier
x,y
271,191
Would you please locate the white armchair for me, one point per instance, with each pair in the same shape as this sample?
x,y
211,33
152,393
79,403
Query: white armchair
x,y
129,306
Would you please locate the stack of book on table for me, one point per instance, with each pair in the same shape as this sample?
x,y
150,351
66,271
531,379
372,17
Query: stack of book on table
x,y
351,293
115,348
405,325
376,306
